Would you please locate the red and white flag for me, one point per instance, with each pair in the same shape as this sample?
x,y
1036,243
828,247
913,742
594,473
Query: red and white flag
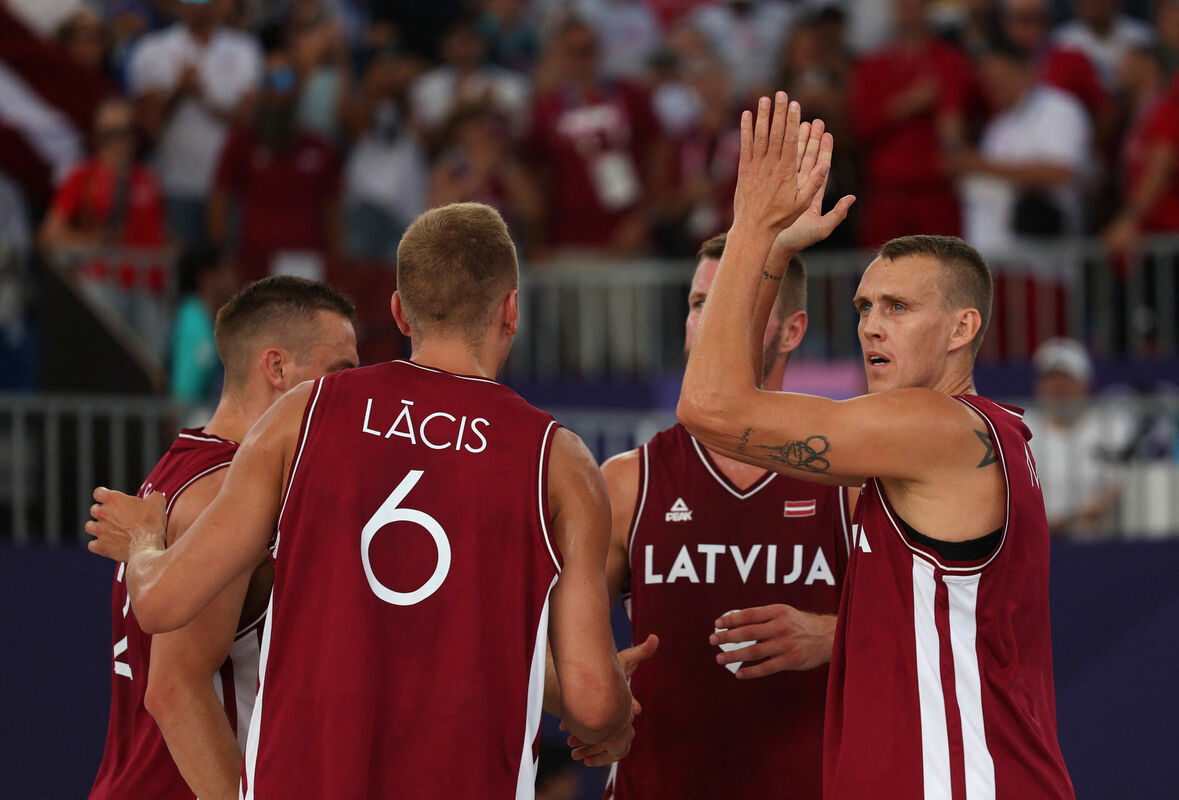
x,y
800,508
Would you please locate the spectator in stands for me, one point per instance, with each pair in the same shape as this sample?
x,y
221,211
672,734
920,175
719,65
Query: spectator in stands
x,y
466,77
1027,24
748,34
387,175
86,40
702,172
207,281
1026,177
598,149
1104,34
628,32
510,31
192,81
478,164
1075,446
1150,152
107,199
284,182
319,54
908,102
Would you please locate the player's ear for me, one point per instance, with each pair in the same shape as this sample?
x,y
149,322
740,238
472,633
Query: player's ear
x,y
511,312
793,329
399,315
966,325
274,367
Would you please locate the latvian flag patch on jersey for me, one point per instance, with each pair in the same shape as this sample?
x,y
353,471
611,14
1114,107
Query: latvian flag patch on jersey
x,y
800,508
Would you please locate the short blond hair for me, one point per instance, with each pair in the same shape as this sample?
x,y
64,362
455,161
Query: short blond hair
x,y
454,266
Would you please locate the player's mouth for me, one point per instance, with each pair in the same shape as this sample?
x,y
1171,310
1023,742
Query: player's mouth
x,y
877,360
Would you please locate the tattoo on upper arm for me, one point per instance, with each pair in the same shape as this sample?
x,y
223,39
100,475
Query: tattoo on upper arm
x,y
803,454
990,457
743,445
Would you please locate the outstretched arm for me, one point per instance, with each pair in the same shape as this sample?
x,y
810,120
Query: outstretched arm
x,y
169,587
594,699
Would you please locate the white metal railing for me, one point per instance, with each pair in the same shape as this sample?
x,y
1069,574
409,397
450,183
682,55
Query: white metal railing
x,y
587,317
55,448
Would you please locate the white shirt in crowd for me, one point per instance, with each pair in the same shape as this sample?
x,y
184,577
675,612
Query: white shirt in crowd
x,y
1047,126
229,67
434,96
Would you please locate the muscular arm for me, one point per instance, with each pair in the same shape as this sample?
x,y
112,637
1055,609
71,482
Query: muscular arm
x,y
594,698
180,694
169,587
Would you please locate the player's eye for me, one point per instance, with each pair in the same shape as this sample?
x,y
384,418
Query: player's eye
x,y
898,306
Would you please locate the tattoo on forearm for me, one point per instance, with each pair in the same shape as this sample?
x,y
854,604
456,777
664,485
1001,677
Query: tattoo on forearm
x,y
743,445
806,455
766,274
990,457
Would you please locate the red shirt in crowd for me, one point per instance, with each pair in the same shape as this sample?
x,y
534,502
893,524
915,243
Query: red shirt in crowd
x,y
902,151
594,147
94,198
1072,71
284,194
1157,123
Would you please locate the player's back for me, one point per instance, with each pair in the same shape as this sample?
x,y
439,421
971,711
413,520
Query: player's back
x,y
941,675
136,761
701,547
404,654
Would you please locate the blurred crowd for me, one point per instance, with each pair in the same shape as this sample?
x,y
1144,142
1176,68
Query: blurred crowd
x,y
290,134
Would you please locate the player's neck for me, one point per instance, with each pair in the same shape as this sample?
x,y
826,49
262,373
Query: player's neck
x,y
457,357
235,415
739,473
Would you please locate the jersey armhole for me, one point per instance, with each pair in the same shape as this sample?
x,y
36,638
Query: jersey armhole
x,y
644,480
542,482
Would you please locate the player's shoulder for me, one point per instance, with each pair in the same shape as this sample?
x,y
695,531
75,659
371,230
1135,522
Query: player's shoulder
x,y
622,467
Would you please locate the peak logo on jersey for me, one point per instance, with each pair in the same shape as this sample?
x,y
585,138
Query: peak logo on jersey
x,y
799,508
729,647
679,512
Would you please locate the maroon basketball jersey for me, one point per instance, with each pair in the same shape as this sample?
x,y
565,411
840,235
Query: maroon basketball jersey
x,y
404,651
700,547
136,761
941,679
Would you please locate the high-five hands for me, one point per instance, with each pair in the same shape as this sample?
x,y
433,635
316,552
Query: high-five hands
x,y
815,147
616,747
123,523
788,639
772,191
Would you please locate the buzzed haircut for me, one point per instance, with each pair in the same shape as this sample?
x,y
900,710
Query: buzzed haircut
x,y
278,311
455,264
965,277
791,289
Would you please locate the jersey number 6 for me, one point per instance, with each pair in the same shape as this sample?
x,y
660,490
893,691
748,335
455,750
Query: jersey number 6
x,y
390,512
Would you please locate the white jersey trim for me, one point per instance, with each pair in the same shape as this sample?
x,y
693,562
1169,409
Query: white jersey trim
x,y
935,738
213,439
526,776
845,519
191,481
444,372
295,467
542,484
962,593
247,629
750,492
644,481
250,757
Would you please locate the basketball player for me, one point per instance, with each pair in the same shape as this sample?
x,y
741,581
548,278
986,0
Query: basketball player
x,y
696,534
198,682
941,676
429,521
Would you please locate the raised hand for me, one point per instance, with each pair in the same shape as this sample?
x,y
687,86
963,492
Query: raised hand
x,y
123,523
613,749
788,639
772,189
814,149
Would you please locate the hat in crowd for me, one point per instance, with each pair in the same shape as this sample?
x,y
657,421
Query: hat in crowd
x,y
1064,355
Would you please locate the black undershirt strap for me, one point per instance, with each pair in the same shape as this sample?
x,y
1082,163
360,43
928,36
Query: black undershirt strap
x,y
969,550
